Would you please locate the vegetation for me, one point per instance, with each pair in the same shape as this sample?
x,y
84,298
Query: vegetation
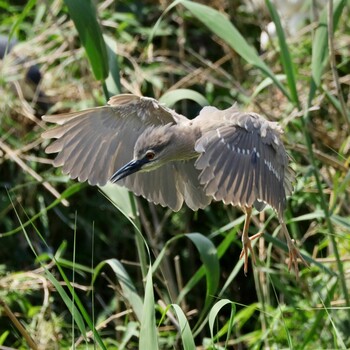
x,y
83,267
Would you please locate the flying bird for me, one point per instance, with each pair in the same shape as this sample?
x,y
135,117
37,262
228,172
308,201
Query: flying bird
x,y
222,155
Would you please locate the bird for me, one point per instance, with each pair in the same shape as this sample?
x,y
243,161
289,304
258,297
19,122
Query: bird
x,y
220,155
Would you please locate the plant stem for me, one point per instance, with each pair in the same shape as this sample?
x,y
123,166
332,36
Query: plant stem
x,y
324,205
140,243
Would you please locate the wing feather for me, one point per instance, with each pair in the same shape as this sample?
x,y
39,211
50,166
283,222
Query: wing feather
x,y
193,192
170,186
94,143
243,162
150,186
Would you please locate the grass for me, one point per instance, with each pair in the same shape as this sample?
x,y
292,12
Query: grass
x,y
84,267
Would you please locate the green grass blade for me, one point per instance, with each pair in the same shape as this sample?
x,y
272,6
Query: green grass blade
x,y
225,30
77,317
338,339
185,329
265,83
213,315
282,245
66,194
113,80
25,12
320,42
209,257
84,16
319,60
3,337
77,310
160,256
148,332
173,96
311,333
341,221
120,197
222,248
128,287
141,243
66,299
81,308
286,60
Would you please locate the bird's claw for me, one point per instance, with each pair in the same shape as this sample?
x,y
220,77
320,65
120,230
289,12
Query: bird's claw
x,y
247,247
294,258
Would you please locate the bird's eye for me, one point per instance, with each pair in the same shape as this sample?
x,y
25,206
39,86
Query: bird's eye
x,y
150,155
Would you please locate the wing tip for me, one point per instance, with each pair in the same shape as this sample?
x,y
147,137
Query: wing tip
x,y
123,99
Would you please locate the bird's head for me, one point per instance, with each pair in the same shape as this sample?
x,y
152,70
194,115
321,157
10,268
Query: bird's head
x,y
152,149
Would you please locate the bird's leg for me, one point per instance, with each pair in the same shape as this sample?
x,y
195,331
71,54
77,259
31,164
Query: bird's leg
x,y
294,253
246,240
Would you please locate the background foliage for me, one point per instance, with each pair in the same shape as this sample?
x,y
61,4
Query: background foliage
x,y
86,267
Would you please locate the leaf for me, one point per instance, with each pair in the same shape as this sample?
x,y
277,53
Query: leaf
x,y
77,317
317,214
173,96
113,80
341,221
128,287
66,194
74,310
225,30
185,329
120,197
84,16
320,42
267,82
209,257
148,332
214,313
286,60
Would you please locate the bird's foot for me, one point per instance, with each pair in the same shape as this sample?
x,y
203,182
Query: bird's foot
x,y
294,254
247,247
294,257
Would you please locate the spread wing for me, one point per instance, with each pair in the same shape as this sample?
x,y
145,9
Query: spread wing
x,y
91,145
170,186
243,162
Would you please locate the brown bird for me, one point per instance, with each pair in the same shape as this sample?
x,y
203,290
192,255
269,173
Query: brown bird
x,y
222,155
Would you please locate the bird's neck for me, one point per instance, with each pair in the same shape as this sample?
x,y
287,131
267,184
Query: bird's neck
x,y
185,136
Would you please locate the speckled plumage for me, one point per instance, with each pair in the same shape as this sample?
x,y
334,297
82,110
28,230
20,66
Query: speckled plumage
x,y
222,155
228,155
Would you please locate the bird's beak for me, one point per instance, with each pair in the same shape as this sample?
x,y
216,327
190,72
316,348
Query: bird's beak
x,y
128,169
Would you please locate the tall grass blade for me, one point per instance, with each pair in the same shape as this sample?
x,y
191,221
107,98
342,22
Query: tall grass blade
x,y
84,16
185,329
286,60
209,257
318,323
120,197
211,266
127,285
141,243
225,30
338,339
200,273
66,299
319,60
77,310
148,333
66,194
173,96
113,80
320,42
213,315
